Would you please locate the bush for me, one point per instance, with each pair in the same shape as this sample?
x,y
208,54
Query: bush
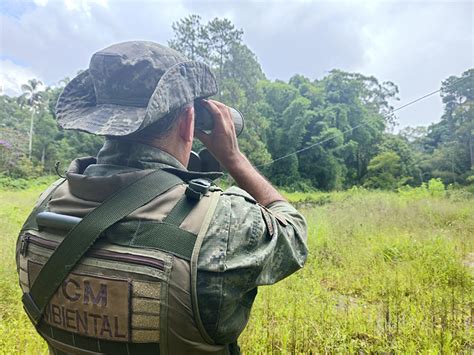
x,y
302,185
23,168
434,188
9,183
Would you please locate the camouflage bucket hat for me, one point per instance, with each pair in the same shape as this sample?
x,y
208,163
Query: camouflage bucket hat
x,y
130,86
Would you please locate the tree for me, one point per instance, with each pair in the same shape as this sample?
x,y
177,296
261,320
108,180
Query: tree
x,y
384,171
458,97
339,119
190,38
447,150
32,96
410,172
212,43
322,165
242,68
358,105
222,36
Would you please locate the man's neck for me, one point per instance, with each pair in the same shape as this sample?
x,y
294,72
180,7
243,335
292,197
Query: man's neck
x,y
170,145
133,154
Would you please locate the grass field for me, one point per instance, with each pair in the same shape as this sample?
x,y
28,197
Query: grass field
x,y
387,273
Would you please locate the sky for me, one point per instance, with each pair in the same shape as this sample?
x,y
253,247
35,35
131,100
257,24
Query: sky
x,y
415,44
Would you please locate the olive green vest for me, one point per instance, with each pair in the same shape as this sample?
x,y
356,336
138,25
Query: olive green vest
x,y
134,291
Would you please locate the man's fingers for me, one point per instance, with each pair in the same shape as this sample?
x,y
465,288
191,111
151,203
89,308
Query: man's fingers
x,y
219,111
213,108
202,136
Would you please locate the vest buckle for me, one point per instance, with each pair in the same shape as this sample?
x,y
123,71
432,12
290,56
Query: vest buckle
x,y
197,188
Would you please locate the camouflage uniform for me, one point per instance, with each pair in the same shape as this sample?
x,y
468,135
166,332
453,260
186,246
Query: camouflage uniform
x,y
245,245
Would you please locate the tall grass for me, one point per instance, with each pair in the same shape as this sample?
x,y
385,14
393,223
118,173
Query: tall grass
x,y
387,272
17,335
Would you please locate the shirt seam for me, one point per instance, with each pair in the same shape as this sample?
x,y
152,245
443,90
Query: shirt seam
x,y
219,308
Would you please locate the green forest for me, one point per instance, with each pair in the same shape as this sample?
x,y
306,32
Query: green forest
x,y
340,124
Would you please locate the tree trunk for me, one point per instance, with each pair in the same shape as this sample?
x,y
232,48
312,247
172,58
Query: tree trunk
x,y
471,149
30,143
42,156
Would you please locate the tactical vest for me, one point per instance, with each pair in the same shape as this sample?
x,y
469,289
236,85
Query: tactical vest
x,y
132,292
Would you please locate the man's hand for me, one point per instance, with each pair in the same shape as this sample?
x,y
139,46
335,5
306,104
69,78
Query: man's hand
x,y
222,143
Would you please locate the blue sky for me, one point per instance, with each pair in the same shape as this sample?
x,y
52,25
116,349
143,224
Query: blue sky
x,y
15,8
415,44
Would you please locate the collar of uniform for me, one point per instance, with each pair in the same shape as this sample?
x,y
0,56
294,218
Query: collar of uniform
x,y
118,163
135,155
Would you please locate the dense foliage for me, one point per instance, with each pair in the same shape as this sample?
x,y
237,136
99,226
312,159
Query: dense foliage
x,y
339,124
23,125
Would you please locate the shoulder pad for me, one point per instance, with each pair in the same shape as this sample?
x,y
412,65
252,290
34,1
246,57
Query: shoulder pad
x,y
49,192
41,205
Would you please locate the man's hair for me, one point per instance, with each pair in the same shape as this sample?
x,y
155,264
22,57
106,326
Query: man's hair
x,y
160,128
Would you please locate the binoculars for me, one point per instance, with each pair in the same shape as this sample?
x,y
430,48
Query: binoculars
x,y
204,161
205,122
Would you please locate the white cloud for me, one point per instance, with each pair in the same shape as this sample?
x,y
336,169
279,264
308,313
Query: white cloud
x,y
84,6
58,39
417,45
41,2
12,76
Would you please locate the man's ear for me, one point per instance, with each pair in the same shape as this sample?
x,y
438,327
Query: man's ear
x,y
186,124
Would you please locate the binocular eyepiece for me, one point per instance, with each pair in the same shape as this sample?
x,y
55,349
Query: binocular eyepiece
x,y
205,122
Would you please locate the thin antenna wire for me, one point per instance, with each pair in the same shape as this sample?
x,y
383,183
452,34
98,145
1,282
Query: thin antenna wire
x,y
359,125
418,99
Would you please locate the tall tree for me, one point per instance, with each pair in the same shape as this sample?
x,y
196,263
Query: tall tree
x,y
190,37
360,106
458,97
32,96
222,36
242,67
448,147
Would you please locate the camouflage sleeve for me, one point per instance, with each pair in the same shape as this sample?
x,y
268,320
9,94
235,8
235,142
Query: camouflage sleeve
x,y
247,245
286,250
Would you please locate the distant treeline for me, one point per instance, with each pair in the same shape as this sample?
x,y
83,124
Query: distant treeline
x,y
344,117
